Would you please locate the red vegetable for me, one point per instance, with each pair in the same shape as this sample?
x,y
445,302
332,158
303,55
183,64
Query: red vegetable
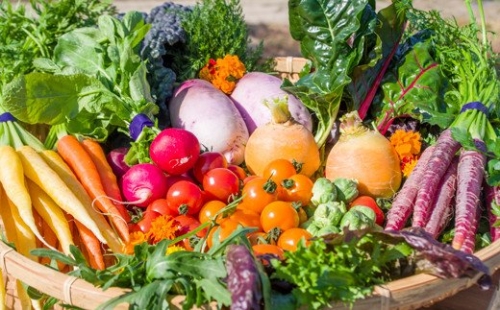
x,y
371,203
144,183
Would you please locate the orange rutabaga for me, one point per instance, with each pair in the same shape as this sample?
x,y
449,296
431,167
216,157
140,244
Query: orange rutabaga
x,y
364,155
282,138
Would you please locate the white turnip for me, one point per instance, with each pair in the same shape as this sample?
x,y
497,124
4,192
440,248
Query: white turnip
x,y
211,116
254,89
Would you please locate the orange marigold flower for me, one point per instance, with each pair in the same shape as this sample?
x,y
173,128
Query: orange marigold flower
x,y
136,237
408,166
162,227
406,143
223,73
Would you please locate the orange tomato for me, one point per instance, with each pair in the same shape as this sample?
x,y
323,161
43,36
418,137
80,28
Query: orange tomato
x,y
279,214
289,239
224,229
268,251
278,170
247,218
257,193
209,210
298,187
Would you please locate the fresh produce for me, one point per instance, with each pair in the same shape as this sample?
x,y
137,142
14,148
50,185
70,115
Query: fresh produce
x,y
254,90
116,159
143,184
184,197
370,202
221,129
283,138
366,156
221,184
279,214
290,238
175,150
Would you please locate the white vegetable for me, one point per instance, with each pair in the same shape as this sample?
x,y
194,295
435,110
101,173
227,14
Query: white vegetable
x,y
211,116
254,89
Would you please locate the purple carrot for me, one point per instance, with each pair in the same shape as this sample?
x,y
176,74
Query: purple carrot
x,y
469,244
445,149
492,201
402,204
469,180
442,208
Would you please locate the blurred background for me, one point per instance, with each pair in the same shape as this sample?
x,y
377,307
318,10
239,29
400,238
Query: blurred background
x,y
268,19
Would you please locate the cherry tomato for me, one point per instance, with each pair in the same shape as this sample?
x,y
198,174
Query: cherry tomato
x,y
184,197
185,224
257,193
279,214
209,210
298,187
247,218
278,170
207,161
144,223
172,179
240,172
289,239
371,203
267,252
160,206
224,230
221,184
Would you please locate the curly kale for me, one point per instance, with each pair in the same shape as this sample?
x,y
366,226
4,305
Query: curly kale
x,y
166,34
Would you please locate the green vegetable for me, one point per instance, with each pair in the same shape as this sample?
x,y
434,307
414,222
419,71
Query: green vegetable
x,y
358,217
326,218
347,189
94,84
341,268
323,191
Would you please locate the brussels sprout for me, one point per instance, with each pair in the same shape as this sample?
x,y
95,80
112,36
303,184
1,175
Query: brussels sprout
x,y
326,217
323,191
347,189
358,217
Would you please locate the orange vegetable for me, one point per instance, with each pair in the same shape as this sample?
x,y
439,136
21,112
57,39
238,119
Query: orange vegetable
x,y
282,138
84,168
92,246
364,155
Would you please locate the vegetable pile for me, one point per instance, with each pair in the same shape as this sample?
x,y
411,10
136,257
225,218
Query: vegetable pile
x,y
158,152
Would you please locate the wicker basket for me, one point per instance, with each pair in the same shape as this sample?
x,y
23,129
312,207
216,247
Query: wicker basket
x,y
409,293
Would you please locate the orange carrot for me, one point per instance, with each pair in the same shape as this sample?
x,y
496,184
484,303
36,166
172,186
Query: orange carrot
x,y
92,246
82,165
108,178
51,238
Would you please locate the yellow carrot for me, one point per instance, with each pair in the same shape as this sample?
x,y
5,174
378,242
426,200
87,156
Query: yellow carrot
x,y
38,171
3,277
26,240
52,214
57,164
12,178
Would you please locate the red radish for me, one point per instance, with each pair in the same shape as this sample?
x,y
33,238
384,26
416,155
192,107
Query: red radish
x,y
175,150
443,203
366,156
143,183
116,159
469,180
402,205
208,161
445,149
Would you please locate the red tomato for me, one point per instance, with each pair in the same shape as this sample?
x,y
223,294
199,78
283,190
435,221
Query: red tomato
x,y
225,228
221,184
289,239
144,224
184,197
371,203
172,179
160,206
209,210
298,187
279,214
185,224
257,193
240,172
278,170
207,161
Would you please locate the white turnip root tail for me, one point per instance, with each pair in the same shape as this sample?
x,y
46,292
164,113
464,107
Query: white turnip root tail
x,y
492,201
402,205
445,149
469,180
442,207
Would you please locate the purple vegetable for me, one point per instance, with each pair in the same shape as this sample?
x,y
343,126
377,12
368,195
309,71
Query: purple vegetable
x,y
243,279
492,206
138,123
253,89
116,159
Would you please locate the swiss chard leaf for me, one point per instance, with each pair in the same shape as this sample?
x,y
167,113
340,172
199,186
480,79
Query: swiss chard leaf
x,y
413,88
324,28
